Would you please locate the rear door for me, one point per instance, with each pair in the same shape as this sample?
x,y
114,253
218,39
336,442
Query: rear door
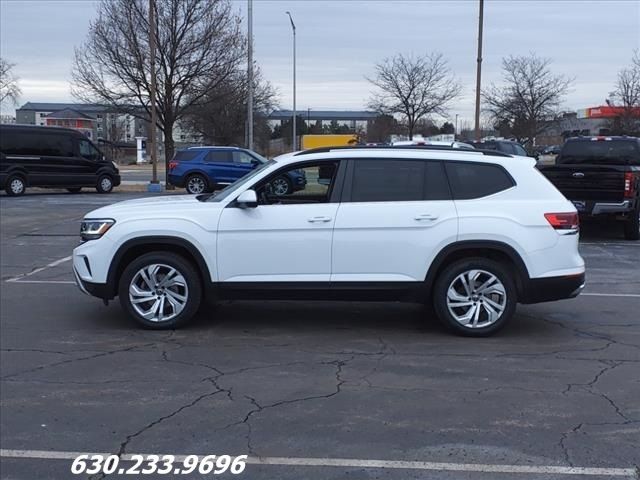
x,y
219,166
394,217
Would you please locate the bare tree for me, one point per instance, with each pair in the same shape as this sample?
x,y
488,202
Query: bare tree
x,y
199,46
413,87
222,116
627,95
529,98
9,88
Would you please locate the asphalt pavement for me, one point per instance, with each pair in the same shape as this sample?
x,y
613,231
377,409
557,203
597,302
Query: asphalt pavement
x,y
314,390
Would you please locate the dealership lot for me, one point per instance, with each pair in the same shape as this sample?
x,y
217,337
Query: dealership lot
x,y
303,384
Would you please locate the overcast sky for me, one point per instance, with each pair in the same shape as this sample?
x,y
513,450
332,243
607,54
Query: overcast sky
x,y
339,42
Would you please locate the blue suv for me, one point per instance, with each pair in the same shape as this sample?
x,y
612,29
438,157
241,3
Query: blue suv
x,y
206,169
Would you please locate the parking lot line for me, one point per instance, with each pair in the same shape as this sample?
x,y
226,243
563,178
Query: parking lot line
x,y
359,463
38,270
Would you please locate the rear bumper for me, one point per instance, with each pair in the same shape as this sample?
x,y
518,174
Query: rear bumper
x,y
548,289
605,208
176,180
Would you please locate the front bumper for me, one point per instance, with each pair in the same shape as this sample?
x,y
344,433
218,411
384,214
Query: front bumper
x,y
99,290
549,289
117,180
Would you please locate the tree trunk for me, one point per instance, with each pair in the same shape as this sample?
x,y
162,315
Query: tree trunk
x,y
169,149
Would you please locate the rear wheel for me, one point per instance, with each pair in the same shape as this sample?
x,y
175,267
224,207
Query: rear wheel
x,y
475,297
197,184
105,184
74,190
160,290
15,186
281,186
632,225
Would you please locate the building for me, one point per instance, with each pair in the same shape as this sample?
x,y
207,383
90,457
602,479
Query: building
x,y
356,120
72,119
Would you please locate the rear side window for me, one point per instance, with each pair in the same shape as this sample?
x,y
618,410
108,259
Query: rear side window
x,y
608,152
185,155
476,180
218,156
28,143
398,180
519,150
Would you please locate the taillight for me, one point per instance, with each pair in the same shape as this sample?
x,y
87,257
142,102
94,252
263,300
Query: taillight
x,y
629,185
563,221
173,164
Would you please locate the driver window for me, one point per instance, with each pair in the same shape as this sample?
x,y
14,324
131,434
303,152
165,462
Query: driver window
x,y
88,151
309,183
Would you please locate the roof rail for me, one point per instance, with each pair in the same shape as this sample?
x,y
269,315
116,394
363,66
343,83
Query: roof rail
x,y
493,153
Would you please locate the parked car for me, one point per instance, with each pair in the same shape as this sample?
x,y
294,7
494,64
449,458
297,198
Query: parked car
x,y
52,157
504,146
601,176
472,232
206,169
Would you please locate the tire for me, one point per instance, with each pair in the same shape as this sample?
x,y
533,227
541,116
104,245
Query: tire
x,y
186,292
281,186
16,185
632,225
196,184
74,190
502,295
105,184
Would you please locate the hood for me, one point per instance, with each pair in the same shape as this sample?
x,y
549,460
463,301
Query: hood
x,y
151,206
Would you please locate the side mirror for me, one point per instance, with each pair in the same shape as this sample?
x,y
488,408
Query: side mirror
x,y
247,199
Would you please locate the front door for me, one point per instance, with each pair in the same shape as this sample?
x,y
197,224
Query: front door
x,y
287,237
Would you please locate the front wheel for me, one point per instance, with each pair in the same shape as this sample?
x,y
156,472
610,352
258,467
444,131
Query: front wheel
x,y
475,297
632,225
160,290
105,184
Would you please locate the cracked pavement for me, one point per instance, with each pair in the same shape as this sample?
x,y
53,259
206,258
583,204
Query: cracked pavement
x,y
559,386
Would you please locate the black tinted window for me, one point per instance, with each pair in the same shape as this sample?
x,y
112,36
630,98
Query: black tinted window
x,y
475,180
218,156
398,180
186,155
617,152
34,143
519,150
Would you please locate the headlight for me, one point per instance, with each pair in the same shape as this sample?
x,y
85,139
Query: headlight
x,y
115,165
94,228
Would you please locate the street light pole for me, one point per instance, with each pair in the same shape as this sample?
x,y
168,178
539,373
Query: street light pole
x,y
152,91
250,77
293,27
479,69
455,131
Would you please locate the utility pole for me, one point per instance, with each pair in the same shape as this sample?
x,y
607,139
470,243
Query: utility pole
x,y
250,77
293,27
152,92
479,70
455,131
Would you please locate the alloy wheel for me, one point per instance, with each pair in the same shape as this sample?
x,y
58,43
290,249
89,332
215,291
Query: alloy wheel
x,y
476,298
280,186
158,292
196,185
17,186
106,184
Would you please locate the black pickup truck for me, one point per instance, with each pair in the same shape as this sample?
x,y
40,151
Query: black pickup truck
x,y
601,176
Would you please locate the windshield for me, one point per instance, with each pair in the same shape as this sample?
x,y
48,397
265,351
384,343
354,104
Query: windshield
x,y
259,157
610,152
229,189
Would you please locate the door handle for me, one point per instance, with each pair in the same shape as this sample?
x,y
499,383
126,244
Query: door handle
x,y
319,219
425,216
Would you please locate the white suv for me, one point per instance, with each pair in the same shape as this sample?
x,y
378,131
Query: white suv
x,y
470,232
